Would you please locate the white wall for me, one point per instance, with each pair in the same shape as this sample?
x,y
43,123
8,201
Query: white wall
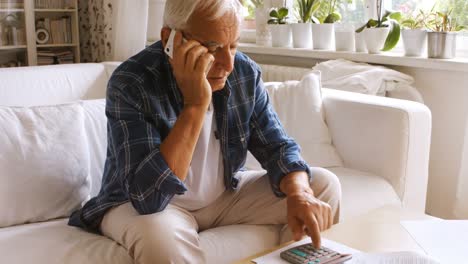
x,y
446,94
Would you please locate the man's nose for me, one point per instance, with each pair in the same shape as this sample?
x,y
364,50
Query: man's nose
x,y
225,59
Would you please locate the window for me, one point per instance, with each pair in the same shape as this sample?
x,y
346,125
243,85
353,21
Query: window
x,y
357,12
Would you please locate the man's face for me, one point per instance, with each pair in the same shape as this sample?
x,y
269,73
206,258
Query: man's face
x,y
221,37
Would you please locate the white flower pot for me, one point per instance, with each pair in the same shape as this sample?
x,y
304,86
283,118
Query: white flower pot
x,y
375,39
262,33
323,36
281,35
360,41
302,35
442,45
414,41
344,41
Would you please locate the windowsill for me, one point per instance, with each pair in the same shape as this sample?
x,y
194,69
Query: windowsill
x,y
386,58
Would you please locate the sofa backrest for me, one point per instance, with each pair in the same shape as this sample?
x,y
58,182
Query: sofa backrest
x,y
55,84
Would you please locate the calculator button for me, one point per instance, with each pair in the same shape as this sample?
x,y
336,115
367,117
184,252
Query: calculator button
x,y
299,253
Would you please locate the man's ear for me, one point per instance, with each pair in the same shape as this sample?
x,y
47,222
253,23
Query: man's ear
x,y
165,32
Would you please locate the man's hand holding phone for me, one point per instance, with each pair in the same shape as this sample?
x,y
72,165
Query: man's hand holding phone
x,y
191,63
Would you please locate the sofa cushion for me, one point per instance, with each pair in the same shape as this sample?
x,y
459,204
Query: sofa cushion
x,y
228,244
55,242
299,108
44,164
95,121
33,243
363,192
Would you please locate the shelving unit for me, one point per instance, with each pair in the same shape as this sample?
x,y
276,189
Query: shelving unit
x,y
62,29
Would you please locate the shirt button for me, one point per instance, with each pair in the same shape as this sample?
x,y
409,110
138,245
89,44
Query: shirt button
x,y
234,182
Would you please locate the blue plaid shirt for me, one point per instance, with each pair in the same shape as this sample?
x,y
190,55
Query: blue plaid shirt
x,y
143,102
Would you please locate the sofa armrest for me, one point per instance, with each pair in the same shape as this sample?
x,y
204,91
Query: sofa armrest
x,y
384,136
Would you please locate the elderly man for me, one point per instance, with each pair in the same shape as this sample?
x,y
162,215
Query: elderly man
x,y
178,133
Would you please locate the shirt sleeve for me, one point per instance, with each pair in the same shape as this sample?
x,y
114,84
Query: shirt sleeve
x,y
134,142
271,146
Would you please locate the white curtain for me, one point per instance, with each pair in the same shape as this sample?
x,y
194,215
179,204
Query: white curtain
x,y
155,19
130,20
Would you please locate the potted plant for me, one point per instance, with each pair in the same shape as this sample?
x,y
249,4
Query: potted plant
x,y
442,39
281,35
302,31
382,34
323,29
414,34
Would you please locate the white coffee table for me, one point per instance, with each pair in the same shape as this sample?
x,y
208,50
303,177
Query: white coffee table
x,y
376,231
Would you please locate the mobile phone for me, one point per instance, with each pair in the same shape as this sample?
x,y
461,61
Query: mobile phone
x,y
169,49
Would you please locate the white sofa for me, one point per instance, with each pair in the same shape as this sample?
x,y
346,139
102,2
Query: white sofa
x,y
384,145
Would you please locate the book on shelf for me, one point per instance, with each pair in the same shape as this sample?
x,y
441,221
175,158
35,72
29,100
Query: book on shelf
x,y
12,63
54,4
10,4
12,36
59,29
55,56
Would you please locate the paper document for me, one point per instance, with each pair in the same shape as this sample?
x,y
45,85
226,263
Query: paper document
x,y
444,240
402,257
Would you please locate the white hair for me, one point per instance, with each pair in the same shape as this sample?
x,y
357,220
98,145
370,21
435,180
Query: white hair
x,y
178,12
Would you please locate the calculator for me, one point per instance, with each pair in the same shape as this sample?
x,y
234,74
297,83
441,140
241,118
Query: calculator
x,y
307,254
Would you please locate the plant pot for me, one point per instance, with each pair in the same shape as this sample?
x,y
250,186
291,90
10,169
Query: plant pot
x,y
281,35
344,41
414,41
360,41
302,35
323,36
375,39
262,33
441,45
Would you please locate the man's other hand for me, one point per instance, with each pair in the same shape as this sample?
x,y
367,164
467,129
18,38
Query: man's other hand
x,y
307,215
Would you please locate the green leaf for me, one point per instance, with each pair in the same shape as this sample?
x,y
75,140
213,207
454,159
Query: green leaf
x,y
409,23
459,28
282,12
332,18
386,14
372,23
316,6
359,30
272,21
396,16
440,14
315,20
274,13
393,36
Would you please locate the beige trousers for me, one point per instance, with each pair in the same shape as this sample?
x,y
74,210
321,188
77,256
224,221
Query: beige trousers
x,y
171,236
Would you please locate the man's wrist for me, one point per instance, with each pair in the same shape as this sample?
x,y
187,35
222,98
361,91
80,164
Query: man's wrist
x,y
295,182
